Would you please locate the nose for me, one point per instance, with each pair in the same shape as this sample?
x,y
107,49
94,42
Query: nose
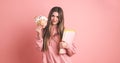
x,y
54,18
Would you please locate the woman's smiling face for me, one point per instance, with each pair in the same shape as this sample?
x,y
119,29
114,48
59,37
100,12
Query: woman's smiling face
x,y
54,18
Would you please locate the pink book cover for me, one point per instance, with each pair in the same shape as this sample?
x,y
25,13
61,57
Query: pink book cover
x,y
68,36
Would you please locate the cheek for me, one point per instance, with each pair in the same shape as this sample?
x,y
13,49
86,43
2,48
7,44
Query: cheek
x,y
57,21
51,18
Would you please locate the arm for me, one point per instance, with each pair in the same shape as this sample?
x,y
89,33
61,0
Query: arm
x,y
41,22
70,48
39,40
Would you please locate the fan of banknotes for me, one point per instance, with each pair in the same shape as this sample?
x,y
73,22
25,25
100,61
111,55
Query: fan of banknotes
x,y
41,20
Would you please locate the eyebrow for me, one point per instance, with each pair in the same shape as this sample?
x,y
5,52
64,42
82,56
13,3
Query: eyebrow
x,y
54,15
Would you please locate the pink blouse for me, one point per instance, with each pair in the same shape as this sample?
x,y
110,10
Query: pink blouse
x,y
52,54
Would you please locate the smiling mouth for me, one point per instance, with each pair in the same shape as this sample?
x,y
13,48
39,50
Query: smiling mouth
x,y
54,21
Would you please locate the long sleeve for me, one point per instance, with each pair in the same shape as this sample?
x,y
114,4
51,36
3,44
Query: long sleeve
x,y
71,49
39,41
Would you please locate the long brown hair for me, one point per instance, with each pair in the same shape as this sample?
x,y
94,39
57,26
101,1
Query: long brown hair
x,y
60,26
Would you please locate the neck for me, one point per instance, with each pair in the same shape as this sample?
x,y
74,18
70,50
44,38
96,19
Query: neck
x,y
54,25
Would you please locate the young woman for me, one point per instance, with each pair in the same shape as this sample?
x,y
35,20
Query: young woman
x,y
50,39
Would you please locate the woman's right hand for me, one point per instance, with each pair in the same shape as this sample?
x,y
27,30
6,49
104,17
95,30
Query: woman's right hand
x,y
39,32
39,29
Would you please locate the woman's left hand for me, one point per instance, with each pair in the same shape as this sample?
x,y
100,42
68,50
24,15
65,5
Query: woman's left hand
x,y
63,44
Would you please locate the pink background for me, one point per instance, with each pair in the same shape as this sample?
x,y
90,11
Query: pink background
x,y
97,25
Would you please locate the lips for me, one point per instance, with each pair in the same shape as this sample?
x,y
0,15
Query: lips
x,y
53,21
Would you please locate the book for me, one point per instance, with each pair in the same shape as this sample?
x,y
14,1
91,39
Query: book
x,y
68,36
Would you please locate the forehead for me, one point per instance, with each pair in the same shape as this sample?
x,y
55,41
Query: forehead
x,y
55,13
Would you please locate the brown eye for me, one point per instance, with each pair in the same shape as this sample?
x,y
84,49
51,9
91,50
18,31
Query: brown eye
x,y
57,16
52,15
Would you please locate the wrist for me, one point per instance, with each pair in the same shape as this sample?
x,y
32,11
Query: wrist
x,y
64,45
40,26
